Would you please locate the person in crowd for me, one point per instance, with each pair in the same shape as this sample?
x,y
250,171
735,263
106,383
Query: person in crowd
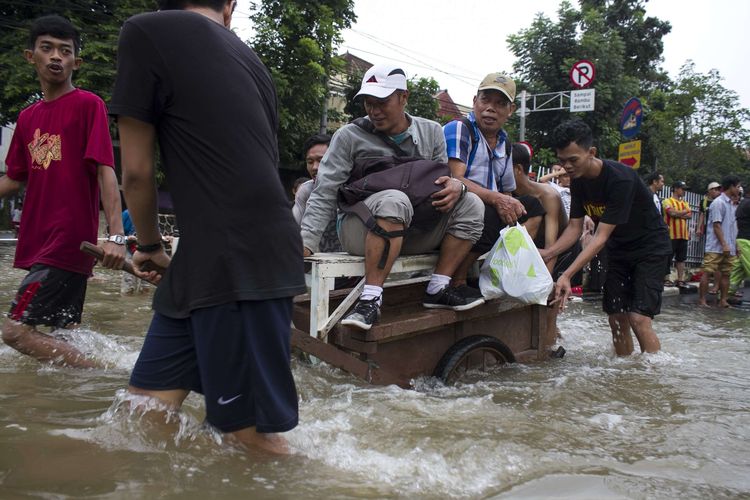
x,y
62,152
315,148
559,179
721,240
297,183
15,217
741,267
677,213
635,235
455,229
655,182
712,192
553,224
480,156
222,309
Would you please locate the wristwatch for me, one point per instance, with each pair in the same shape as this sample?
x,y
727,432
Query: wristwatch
x,y
117,239
153,247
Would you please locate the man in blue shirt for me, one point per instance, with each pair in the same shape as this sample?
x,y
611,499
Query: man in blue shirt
x,y
721,236
479,157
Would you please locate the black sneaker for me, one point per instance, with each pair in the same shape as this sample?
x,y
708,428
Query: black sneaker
x,y
451,298
469,292
364,314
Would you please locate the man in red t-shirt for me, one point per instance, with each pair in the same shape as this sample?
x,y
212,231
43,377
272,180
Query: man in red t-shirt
x,y
62,152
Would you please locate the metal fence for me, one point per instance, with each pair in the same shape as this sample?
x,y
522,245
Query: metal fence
x,y
696,245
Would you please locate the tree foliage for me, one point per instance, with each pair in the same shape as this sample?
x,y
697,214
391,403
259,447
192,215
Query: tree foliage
x,y
702,129
296,40
547,50
99,22
693,128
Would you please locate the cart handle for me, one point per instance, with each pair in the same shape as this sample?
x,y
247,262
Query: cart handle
x,y
127,266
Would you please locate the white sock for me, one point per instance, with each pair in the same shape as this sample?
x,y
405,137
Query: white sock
x,y
372,292
437,283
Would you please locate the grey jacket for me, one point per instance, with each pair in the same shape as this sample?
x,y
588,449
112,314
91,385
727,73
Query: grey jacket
x,y
425,140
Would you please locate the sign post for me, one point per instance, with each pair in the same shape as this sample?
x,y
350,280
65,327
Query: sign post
x,y
582,100
630,154
582,73
632,115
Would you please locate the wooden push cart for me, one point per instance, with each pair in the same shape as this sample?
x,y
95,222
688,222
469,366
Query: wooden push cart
x,y
410,341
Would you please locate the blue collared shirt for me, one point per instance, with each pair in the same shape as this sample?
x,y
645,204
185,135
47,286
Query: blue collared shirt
x,y
721,210
487,167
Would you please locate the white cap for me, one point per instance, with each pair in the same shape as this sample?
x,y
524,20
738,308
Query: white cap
x,y
382,80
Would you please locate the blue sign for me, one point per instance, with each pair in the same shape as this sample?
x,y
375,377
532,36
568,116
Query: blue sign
x,y
632,116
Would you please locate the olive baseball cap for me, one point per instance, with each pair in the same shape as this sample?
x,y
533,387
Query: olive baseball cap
x,y
501,82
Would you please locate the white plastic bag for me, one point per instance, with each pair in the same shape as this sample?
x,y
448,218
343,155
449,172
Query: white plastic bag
x,y
514,268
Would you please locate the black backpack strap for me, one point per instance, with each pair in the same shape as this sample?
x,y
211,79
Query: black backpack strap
x,y
360,210
367,126
473,140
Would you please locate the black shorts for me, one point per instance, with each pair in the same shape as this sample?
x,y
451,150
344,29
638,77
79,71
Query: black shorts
x,y
490,232
634,285
237,355
49,296
679,250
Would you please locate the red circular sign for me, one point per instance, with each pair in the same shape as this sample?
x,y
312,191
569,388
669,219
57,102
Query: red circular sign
x,y
582,73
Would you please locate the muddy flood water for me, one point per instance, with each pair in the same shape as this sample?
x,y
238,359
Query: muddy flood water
x,y
671,425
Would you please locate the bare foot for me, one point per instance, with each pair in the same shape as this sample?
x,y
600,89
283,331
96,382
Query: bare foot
x,y
702,303
723,303
270,442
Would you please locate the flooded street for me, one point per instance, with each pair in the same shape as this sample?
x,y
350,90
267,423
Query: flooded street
x,y
671,425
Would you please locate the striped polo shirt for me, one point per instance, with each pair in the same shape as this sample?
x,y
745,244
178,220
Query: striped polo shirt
x,y
678,228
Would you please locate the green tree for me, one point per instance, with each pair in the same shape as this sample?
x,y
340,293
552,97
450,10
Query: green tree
x,y
422,101
296,39
599,32
708,128
99,22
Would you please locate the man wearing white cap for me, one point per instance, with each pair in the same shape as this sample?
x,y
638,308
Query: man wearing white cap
x,y
712,192
386,128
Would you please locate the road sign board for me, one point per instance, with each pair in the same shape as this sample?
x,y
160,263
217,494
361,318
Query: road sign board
x,y
632,115
630,154
582,100
582,73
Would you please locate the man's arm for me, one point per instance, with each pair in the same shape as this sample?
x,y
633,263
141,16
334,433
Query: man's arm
x,y
114,254
551,224
300,201
137,141
9,186
566,240
552,175
701,222
334,170
562,287
509,208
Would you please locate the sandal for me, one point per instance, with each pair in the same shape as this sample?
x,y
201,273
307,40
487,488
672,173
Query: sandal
x,y
668,283
713,292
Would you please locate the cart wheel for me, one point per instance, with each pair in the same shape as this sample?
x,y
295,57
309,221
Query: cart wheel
x,y
479,352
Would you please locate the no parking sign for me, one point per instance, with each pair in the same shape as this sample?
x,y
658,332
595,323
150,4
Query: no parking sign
x,y
582,73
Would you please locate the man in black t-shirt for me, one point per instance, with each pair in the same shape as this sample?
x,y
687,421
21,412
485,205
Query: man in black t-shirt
x,y
636,238
221,325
